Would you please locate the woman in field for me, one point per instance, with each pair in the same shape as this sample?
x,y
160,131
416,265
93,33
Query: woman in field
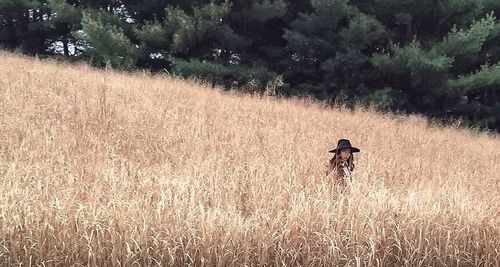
x,y
342,163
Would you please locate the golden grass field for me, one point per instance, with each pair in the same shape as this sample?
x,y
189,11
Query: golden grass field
x,y
100,168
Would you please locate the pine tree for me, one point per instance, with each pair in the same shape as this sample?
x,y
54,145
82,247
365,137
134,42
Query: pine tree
x,y
145,11
424,20
330,49
106,42
258,34
22,25
439,81
199,41
440,58
65,19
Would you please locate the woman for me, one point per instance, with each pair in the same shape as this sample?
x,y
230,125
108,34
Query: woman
x,y
342,163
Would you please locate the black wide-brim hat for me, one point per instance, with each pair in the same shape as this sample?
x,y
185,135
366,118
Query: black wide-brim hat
x,y
344,143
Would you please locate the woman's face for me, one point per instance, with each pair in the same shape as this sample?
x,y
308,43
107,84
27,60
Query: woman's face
x,y
345,153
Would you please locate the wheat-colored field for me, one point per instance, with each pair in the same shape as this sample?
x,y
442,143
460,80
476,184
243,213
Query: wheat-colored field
x,y
106,169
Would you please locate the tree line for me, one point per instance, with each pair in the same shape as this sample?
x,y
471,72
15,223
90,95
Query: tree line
x,y
440,58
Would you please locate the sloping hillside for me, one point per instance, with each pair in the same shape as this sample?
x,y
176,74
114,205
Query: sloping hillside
x,y
101,168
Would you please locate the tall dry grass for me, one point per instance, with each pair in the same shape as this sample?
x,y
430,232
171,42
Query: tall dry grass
x,y
99,168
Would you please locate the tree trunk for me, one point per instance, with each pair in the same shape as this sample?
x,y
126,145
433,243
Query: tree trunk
x,y
65,46
408,35
12,32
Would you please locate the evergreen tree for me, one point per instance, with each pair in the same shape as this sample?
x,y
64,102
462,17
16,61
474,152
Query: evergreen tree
x,y
330,49
204,45
424,20
65,19
440,58
144,11
438,81
259,27
106,42
22,25
200,41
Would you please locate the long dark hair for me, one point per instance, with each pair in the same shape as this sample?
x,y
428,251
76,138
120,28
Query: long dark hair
x,y
337,160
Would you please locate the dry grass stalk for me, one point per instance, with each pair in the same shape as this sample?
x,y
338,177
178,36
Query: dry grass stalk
x,y
100,168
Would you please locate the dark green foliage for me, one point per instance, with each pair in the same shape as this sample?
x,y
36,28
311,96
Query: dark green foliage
x,y
439,58
22,25
425,20
65,19
334,57
143,11
417,75
106,42
479,95
441,81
